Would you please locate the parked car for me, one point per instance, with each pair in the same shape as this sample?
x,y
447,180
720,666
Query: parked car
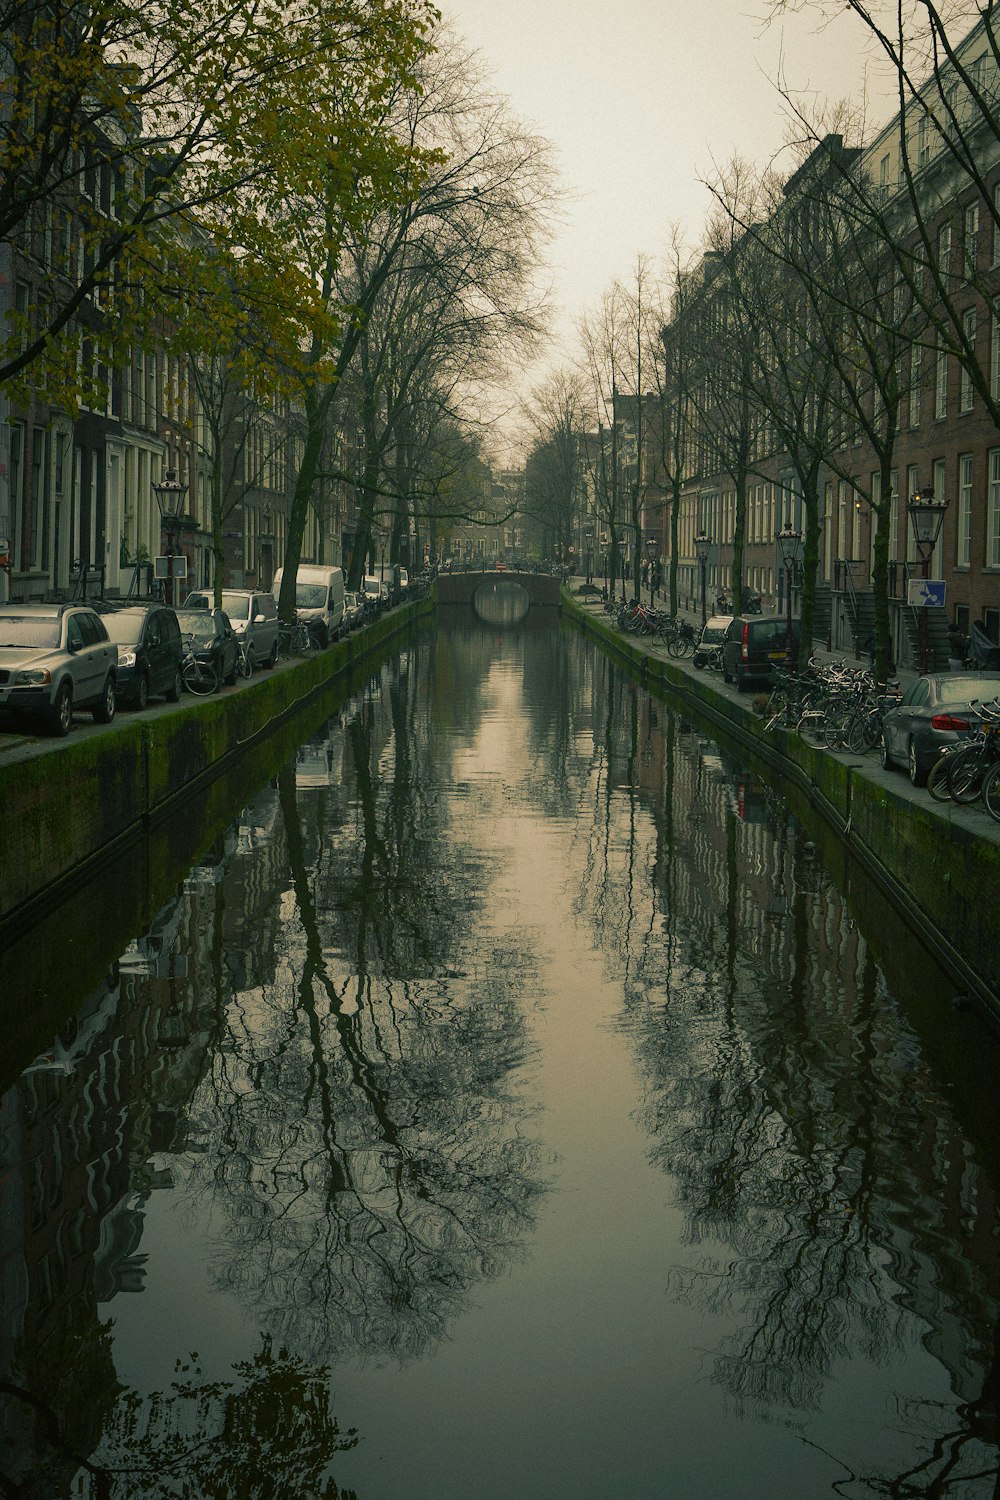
x,y
212,639
712,634
150,652
54,659
253,616
354,610
751,646
935,711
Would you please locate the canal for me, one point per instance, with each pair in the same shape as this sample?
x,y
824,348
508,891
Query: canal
x,y
517,1100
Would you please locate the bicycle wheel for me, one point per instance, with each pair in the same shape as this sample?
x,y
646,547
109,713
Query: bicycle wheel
x,y
835,728
200,678
863,733
991,791
937,779
244,663
812,727
966,770
680,644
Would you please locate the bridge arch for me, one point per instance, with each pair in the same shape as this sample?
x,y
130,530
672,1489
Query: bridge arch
x,y
460,588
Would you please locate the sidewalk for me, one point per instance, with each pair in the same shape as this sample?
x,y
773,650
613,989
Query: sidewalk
x,y
904,675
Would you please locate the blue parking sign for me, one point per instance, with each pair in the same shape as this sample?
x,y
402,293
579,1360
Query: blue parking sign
x,y
925,593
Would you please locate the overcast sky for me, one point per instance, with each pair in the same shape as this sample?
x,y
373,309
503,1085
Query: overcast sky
x,y
639,97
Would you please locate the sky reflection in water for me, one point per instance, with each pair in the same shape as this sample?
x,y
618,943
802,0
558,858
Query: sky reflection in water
x,y
511,1105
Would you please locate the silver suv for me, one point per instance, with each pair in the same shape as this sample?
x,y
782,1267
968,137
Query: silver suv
x,y
55,658
253,616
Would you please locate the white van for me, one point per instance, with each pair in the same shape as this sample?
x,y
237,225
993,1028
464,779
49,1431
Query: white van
x,y
319,599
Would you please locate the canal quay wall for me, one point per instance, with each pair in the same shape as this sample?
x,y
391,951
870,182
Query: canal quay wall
x,y
938,864
74,807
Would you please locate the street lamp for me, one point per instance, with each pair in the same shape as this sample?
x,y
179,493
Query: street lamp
x,y
702,546
651,555
926,518
789,557
169,493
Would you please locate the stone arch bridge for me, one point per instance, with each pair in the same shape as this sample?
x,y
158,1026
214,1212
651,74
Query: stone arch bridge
x,y
461,588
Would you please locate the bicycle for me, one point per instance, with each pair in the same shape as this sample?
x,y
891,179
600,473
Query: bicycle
x,y
991,791
969,764
295,639
681,638
199,676
244,661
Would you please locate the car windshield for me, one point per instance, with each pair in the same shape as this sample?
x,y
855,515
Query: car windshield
x,y
310,595
196,622
123,629
29,630
965,689
236,606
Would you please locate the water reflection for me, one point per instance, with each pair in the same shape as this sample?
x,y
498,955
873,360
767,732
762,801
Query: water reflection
x,y
317,1073
501,602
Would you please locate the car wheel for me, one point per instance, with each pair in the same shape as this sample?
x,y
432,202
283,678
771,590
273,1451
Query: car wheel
x,y
62,710
883,754
173,692
272,660
104,711
917,773
741,681
142,692
230,677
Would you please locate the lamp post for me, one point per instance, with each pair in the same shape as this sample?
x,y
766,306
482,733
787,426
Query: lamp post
x,y
651,566
702,544
926,518
789,556
169,493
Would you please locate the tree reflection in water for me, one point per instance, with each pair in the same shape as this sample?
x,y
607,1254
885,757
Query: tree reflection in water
x,y
363,1133
822,1177
268,1435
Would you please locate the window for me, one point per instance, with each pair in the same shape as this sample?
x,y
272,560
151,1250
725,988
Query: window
x,y
965,394
993,512
996,225
940,384
16,470
970,246
883,172
944,249
912,486
915,356
963,525
923,142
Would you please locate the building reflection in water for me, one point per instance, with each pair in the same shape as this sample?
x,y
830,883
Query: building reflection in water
x,y
316,1044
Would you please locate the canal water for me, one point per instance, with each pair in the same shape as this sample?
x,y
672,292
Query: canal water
x,y
517,1101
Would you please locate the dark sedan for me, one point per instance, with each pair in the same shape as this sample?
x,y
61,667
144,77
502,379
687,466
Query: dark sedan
x,y
212,639
935,711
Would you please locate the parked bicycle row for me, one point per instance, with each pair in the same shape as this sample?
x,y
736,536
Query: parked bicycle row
x,y
635,618
943,729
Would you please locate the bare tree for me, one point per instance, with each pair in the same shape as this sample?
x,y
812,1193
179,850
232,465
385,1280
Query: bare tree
x,y
466,229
